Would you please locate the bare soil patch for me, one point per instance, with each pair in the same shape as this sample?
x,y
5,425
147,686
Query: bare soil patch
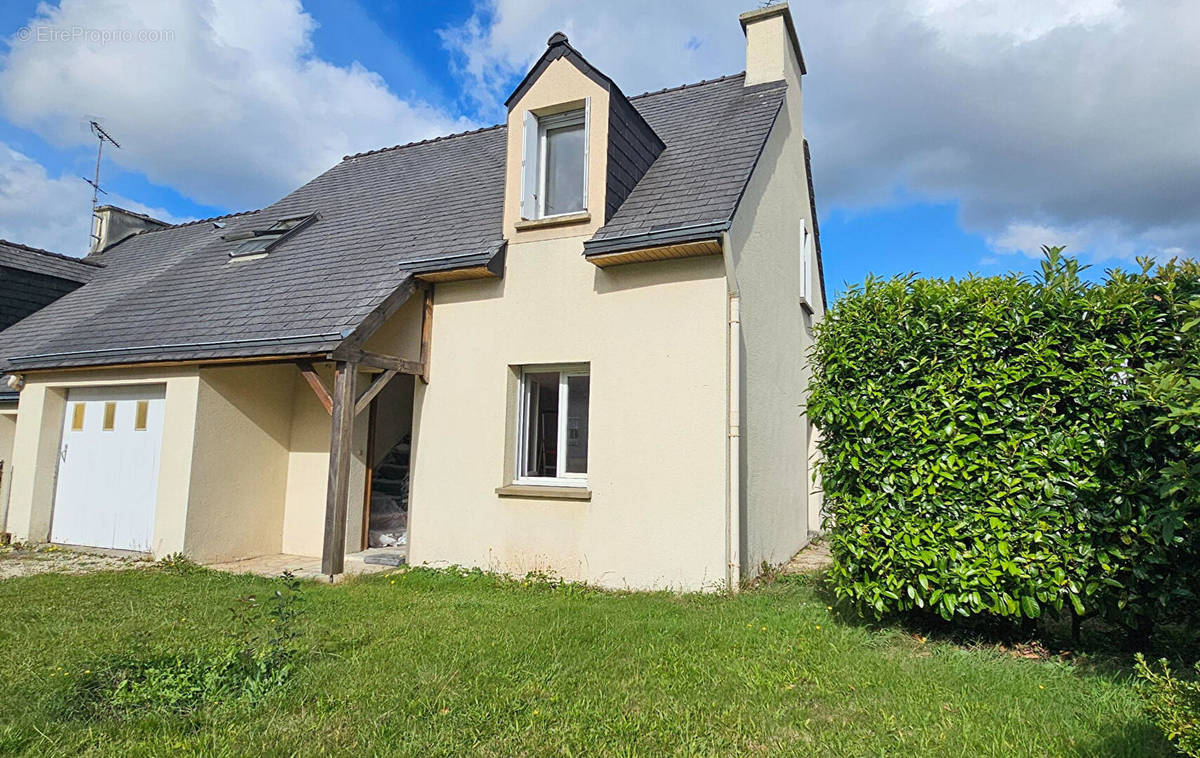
x,y
26,560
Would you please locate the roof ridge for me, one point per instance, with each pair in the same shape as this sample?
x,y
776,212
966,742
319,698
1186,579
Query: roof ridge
x,y
203,220
444,137
62,256
688,85
430,140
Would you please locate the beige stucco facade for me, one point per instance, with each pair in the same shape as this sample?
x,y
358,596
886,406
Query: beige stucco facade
x,y
242,468
698,448
656,339
780,501
8,430
653,336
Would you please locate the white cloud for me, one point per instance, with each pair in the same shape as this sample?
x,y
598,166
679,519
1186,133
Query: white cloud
x,y
229,106
966,21
51,212
640,45
1065,117
1028,239
1102,240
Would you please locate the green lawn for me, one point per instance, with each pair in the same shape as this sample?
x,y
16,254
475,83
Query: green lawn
x,y
434,664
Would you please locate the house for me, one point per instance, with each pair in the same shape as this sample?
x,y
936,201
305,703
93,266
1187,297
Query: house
x,y
573,342
30,279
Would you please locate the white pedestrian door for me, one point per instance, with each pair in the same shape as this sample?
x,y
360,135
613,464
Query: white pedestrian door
x,y
108,467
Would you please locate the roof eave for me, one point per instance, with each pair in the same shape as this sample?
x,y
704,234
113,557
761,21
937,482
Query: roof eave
x,y
489,261
194,352
655,238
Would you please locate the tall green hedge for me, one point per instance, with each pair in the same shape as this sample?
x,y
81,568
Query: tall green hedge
x,y
1001,446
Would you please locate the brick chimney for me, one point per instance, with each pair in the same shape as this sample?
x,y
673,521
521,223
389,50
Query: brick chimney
x,y
111,224
772,48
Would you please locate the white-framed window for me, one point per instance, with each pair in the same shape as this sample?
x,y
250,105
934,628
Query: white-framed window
x,y
552,425
807,259
554,164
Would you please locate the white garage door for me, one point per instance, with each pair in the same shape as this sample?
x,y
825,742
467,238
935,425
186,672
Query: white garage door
x,y
108,467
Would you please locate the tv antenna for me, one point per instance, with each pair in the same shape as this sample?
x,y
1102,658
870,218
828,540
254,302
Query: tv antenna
x,y
102,137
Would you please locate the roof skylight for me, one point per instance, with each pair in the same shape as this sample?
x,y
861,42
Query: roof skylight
x,y
260,241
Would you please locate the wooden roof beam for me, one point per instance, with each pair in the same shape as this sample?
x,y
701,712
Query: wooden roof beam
x,y
317,384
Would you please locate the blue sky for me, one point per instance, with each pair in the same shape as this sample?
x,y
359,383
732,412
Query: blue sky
x,y
915,170
398,41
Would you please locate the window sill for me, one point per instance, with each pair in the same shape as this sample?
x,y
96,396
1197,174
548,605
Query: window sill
x,y
544,491
806,306
552,221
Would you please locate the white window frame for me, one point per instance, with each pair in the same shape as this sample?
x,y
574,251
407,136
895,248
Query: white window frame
x,y
533,157
807,255
563,478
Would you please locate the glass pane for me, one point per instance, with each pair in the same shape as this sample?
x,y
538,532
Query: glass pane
x,y
143,410
541,425
77,417
255,245
110,416
578,391
564,170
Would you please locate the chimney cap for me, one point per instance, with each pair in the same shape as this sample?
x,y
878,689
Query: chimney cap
x,y
769,11
558,38
127,212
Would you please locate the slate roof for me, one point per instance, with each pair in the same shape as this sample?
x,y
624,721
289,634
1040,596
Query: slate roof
x,y
38,261
173,294
30,278
714,132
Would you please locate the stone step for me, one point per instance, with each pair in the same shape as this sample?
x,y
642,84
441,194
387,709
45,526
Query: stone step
x,y
389,487
390,471
384,559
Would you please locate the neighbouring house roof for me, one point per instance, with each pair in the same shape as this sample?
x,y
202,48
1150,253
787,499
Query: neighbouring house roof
x,y
383,217
35,260
31,278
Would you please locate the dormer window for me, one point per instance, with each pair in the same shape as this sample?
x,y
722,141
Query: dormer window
x,y
554,177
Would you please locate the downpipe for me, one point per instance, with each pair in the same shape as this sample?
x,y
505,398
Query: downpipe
x,y
733,536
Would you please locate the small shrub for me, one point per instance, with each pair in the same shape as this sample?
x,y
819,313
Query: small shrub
x,y
1173,704
178,563
256,661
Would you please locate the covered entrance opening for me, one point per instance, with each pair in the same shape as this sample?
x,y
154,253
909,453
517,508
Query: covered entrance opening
x,y
386,514
108,465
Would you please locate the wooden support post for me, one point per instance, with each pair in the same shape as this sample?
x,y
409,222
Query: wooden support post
x,y
333,554
426,333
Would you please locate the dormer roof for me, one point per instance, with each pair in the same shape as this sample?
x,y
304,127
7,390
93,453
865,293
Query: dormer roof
x,y
559,47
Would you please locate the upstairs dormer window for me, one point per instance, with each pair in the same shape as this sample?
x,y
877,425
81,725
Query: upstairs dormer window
x,y
554,176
